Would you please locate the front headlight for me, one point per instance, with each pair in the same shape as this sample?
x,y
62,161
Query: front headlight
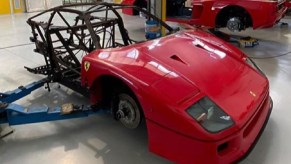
x,y
209,115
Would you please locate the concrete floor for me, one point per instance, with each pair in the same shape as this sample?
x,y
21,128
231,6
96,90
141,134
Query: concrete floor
x,y
100,139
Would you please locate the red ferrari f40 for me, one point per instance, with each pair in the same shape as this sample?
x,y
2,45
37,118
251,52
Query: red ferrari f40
x,y
202,99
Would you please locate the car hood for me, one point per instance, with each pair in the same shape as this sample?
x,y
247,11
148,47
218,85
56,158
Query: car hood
x,y
197,60
184,64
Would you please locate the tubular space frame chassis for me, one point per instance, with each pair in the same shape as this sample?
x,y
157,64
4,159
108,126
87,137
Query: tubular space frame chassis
x,y
88,33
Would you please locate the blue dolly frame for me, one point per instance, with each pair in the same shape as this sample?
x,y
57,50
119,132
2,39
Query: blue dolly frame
x,y
15,114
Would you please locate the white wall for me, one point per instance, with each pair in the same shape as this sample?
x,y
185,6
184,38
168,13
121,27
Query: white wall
x,y
35,5
53,3
39,5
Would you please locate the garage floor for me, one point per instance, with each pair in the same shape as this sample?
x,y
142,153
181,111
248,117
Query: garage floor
x,y
100,139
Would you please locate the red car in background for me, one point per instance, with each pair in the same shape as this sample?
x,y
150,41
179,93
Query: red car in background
x,y
288,4
236,15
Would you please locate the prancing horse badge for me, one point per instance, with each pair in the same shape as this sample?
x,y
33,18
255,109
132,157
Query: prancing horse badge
x,y
86,66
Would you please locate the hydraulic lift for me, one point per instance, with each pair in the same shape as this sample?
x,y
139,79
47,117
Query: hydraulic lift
x,y
243,42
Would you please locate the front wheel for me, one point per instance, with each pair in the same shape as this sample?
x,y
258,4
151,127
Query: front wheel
x,y
128,111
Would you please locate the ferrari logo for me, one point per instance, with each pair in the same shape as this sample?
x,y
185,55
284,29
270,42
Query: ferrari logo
x,y
86,66
253,94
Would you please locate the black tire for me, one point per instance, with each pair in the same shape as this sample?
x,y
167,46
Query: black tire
x,y
128,110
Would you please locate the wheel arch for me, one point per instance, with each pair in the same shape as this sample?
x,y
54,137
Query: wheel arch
x,y
106,84
233,10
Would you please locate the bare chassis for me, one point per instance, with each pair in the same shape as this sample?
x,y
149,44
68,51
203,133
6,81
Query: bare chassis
x,y
88,33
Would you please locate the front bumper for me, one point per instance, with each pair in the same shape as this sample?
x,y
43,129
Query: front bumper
x,y
183,149
260,133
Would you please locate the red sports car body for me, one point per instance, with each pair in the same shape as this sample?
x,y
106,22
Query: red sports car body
x,y
169,75
235,14
202,99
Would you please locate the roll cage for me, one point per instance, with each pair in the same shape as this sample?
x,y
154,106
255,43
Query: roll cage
x,y
63,46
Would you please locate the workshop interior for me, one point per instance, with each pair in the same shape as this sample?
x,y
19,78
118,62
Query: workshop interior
x,y
145,81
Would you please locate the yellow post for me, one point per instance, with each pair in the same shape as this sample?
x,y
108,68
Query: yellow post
x,y
164,15
117,1
4,7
